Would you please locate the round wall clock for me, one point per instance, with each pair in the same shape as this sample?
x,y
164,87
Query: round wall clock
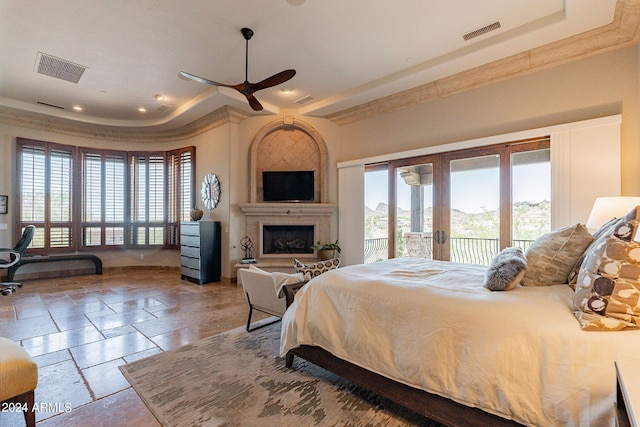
x,y
210,191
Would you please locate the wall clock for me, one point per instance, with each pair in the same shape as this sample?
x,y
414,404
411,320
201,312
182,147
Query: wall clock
x,y
210,191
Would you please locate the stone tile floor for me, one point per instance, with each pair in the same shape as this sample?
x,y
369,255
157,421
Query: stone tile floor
x,y
80,329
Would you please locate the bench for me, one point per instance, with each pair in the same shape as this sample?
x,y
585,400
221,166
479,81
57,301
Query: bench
x,y
33,259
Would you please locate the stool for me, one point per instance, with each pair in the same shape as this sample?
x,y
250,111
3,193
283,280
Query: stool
x,y
18,378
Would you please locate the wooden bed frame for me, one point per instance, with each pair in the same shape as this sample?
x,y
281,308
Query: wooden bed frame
x,y
432,406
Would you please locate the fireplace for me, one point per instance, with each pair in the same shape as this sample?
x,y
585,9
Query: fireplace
x,y
287,239
291,230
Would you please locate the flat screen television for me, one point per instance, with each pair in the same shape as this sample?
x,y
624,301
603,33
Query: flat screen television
x,y
287,186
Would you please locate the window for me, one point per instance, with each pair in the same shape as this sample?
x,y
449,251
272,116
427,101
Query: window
x,y
108,198
103,196
461,206
147,186
45,199
181,182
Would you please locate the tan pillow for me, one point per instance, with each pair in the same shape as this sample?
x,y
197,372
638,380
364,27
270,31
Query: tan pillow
x,y
607,294
552,256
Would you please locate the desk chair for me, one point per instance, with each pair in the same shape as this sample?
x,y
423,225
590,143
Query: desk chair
x,y
12,257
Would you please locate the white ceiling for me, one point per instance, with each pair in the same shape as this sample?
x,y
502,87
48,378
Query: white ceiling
x,y
346,52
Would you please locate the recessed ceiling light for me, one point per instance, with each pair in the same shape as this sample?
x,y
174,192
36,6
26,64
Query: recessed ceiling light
x,y
159,97
287,90
142,110
77,108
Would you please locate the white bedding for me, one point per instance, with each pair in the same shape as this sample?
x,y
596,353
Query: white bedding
x,y
430,324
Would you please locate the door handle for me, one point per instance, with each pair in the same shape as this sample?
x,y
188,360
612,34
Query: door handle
x,y
444,237
437,239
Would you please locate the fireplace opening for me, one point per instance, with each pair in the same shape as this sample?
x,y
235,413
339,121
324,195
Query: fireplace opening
x,y
287,239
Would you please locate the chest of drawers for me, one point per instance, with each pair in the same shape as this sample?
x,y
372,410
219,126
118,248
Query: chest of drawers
x,y
200,251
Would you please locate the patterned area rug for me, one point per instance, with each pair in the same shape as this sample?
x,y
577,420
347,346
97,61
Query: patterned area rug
x,y
238,379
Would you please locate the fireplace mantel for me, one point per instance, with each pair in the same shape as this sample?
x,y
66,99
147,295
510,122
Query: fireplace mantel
x,y
292,209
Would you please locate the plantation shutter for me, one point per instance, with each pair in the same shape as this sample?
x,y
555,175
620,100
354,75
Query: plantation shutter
x,y
180,183
148,199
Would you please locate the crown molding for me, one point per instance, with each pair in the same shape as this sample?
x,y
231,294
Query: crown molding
x,y
219,117
622,32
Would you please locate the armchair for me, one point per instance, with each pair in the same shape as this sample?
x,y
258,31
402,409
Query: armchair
x,y
12,257
261,294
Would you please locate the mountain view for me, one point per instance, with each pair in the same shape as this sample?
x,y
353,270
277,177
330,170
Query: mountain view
x,y
530,220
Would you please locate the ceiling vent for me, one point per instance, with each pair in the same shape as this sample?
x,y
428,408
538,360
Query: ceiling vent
x,y
480,31
304,99
58,68
163,107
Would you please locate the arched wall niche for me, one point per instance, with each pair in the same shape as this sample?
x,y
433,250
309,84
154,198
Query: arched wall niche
x,y
287,147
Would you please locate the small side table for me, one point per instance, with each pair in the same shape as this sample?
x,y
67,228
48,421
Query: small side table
x,y
627,392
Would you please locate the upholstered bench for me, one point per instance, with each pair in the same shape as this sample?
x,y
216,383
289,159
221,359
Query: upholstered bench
x,y
18,379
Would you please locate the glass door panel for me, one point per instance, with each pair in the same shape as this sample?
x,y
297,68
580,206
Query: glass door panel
x,y
474,210
376,214
414,213
530,195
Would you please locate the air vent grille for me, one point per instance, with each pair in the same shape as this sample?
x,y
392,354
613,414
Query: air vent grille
x,y
163,107
304,99
58,68
480,31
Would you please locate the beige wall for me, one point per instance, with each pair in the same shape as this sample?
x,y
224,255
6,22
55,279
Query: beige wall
x,y
602,85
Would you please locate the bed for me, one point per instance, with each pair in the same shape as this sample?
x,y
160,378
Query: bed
x,y
428,335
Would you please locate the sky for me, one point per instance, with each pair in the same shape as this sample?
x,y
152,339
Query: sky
x,y
471,190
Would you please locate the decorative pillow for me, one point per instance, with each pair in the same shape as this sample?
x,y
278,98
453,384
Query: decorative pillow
x,y
552,256
607,296
317,268
506,270
282,279
604,229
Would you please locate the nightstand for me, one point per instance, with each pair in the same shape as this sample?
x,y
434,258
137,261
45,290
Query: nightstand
x,y
627,392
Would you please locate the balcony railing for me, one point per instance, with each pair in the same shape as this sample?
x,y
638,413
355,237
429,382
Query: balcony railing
x,y
467,250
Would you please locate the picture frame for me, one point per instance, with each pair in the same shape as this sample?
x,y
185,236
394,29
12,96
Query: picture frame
x,y
4,204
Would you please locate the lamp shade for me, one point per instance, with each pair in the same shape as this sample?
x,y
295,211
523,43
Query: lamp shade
x,y
607,208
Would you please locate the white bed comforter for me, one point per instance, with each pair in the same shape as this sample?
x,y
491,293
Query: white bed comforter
x,y
430,324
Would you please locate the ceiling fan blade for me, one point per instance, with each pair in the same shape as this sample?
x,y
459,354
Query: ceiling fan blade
x,y
274,80
255,104
202,79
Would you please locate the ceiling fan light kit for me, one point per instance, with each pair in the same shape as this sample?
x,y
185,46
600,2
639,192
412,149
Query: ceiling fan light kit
x,y
246,88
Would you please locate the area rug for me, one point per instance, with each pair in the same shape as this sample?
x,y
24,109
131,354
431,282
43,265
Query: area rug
x,y
238,379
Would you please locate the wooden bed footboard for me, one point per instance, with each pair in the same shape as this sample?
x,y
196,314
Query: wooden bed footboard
x,y
432,406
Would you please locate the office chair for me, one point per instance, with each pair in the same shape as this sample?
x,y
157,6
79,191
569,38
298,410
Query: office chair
x,y
14,256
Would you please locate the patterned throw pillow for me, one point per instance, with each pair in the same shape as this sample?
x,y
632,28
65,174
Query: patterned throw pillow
x,y
505,270
607,296
604,229
552,256
317,268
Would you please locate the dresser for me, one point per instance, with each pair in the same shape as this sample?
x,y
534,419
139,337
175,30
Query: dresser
x,y
200,251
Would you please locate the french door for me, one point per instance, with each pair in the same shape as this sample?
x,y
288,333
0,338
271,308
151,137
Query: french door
x,y
458,206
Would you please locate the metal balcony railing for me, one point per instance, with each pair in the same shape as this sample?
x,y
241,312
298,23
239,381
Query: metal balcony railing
x,y
469,250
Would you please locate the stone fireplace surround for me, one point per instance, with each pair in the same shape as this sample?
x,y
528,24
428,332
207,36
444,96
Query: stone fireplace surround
x,y
286,144
258,215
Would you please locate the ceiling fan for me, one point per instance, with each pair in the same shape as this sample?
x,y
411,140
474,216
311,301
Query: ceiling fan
x,y
247,88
